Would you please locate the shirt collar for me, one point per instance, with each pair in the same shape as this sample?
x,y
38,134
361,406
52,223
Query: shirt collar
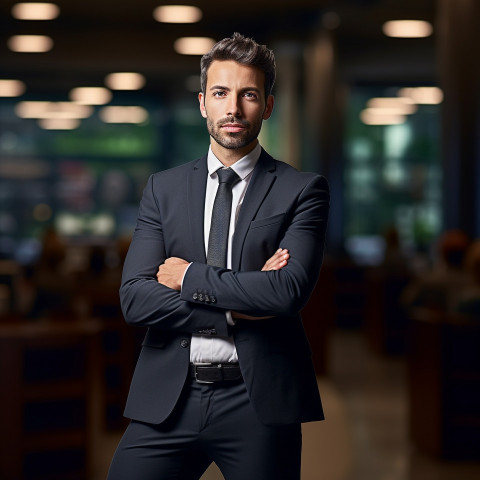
x,y
242,167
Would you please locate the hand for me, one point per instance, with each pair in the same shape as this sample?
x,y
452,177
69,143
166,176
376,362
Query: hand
x,y
277,261
171,272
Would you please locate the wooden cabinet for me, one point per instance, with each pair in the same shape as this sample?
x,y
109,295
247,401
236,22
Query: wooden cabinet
x,y
48,388
444,377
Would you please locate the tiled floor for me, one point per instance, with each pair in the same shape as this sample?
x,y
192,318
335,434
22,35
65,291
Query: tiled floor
x,y
365,436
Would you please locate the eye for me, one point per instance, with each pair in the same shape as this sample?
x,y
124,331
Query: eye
x,y
219,93
251,95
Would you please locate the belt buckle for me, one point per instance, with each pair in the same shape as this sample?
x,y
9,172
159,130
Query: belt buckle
x,y
206,364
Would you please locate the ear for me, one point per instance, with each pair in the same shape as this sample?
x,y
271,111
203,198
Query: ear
x,y
201,101
268,108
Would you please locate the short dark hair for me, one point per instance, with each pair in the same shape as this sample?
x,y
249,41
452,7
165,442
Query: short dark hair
x,y
245,51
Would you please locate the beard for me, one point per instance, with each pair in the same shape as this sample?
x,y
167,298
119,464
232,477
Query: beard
x,y
233,140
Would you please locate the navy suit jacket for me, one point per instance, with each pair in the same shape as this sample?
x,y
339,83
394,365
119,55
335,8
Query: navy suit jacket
x,y
282,208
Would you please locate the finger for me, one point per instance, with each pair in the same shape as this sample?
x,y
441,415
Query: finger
x,y
279,254
279,265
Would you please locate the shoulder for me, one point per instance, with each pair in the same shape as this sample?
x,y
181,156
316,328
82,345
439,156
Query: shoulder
x,y
289,174
179,171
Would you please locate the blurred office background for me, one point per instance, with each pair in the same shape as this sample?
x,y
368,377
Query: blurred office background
x,y
95,96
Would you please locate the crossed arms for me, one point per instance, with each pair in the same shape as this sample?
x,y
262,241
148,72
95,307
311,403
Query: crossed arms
x,y
150,297
171,272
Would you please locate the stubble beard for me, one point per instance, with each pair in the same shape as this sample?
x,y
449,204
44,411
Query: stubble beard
x,y
233,140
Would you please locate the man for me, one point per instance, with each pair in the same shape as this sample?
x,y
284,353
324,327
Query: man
x,y
225,372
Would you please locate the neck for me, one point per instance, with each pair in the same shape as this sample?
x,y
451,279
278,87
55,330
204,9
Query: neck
x,y
228,156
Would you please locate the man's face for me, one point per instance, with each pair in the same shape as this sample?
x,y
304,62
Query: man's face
x,y
234,104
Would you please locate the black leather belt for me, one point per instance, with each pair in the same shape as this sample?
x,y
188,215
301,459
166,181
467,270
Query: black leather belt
x,y
215,372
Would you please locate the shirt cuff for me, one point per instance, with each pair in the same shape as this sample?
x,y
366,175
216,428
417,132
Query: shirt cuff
x,y
184,273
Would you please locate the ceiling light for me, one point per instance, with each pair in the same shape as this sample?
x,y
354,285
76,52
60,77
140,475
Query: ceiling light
x,y
407,28
11,88
30,109
59,123
125,81
193,45
30,43
35,11
90,95
423,95
123,114
370,118
401,105
52,110
177,14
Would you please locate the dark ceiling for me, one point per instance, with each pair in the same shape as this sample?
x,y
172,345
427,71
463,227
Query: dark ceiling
x,y
95,37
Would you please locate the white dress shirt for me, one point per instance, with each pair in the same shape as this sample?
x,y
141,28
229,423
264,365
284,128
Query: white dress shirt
x,y
213,348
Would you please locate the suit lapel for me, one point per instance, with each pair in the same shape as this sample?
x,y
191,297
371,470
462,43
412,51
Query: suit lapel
x,y
196,188
262,178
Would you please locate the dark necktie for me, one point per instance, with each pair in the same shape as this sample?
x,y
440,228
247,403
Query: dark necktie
x,y
222,208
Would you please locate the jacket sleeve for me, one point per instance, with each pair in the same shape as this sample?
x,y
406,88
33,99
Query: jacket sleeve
x,y
280,292
144,301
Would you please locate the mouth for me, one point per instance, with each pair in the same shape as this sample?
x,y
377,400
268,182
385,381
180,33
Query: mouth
x,y
233,127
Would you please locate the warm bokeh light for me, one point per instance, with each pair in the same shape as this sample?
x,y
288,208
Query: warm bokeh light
x,y
423,95
193,45
11,88
52,110
407,28
400,105
123,114
377,117
125,81
59,123
90,95
177,14
30,43
35,11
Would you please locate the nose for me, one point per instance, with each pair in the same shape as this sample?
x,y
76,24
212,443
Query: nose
x,y
233,107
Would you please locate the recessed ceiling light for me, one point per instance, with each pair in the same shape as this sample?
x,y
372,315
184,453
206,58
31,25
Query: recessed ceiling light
x,y
407,28
423,95
123,114
30,43
177,14
59,123
90,95
35,11
193,45
125,81
370,118
401,105
11,88
58,110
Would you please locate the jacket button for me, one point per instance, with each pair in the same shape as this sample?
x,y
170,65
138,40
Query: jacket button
x,y
213,299
195,296
184,343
